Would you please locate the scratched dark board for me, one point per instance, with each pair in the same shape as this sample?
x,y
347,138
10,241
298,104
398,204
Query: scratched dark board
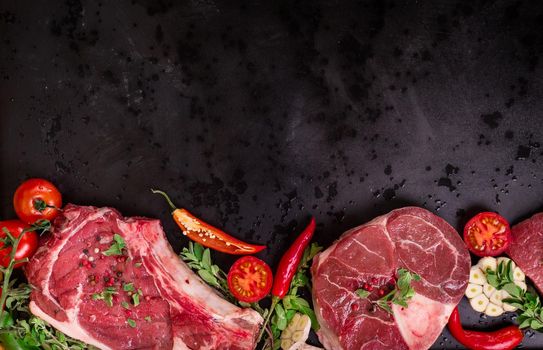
x,y
257,114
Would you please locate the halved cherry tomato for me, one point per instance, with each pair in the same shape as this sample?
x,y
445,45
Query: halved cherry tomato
x,y
27,246
250,279
487,234
36,199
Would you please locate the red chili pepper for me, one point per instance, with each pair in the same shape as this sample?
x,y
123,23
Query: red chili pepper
x,y
287,268
503,339
290,260
207,235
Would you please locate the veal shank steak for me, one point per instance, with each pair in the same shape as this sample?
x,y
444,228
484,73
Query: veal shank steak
x,y
144,297
526,248
410,238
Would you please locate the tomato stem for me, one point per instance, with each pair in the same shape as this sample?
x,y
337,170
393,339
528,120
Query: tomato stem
x,y
165,195
40,225
9,269
9,240
39,204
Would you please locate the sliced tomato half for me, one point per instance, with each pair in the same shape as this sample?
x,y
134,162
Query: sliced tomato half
x,y
487,234
250,279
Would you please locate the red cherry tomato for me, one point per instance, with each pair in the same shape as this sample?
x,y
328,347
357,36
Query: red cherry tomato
x,y
36,199
487,234
27,246
250,279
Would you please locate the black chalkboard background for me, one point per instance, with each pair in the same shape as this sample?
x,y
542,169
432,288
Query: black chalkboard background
x,y
258,114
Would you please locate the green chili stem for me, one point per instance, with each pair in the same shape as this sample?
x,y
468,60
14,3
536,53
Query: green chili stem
x,y
167,198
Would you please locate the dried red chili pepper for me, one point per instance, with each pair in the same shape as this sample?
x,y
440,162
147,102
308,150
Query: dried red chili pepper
x,y
207,235
503,339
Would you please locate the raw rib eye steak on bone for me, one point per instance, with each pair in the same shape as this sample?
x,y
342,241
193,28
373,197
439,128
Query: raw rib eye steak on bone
x,y
90,296
410,238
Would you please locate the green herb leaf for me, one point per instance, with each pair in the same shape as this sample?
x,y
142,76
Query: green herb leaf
x,y
502,270
298,302
208,277
512,289
514,302
301,305
536,324
29,331
384,305
402,293
531,298
199,260
125,305
128,287
510,270
492,279
135,299
525,323
399,301
116,247
362,293
206,259
106,295
198,251
530,313
131,322
281,320
148,318
290,314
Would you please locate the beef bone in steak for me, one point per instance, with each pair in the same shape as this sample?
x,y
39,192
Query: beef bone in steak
x,y
526,248
410,238
174,309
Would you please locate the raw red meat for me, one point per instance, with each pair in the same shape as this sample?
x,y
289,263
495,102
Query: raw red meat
x,y
526,248
410,238
174,310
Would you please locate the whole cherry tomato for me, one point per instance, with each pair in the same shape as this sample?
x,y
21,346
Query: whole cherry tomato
x,y
27,245
36,199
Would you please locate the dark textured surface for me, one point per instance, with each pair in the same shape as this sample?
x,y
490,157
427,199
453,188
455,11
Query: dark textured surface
x,y
258,114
